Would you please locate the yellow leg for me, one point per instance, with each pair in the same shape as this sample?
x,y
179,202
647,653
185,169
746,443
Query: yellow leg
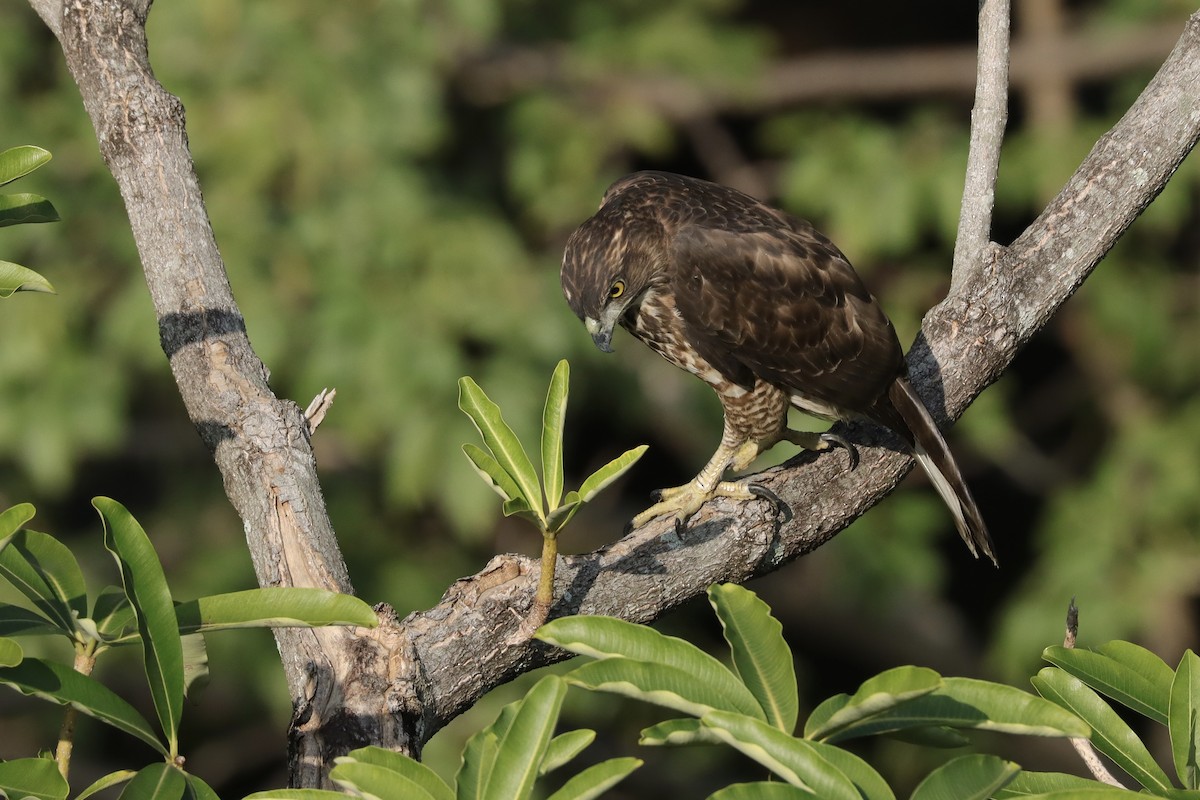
x,y
810,440
736,454
684,501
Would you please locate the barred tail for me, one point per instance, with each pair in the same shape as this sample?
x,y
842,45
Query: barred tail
x,y
935,458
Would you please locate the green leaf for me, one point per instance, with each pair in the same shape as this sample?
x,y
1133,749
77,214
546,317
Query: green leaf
x,y
501,440
60,684
18,621
1038,783
969,703
296,794
1185,734
1096,791
553,418
408,768
523,745
1009,710
479,756
1110,734
870,784
112,613
504,719
666,686
195,663
794,760
371,781
12,520
564,747
17,162
22,208
156,782
15,278
685,731
45,571
933,736
596,779
32,777
197,789
1131,684
761,656
973,777
10,653
557,519
825,710
492,473
273,607
146,588
689,679
598,480
517,507
106,782
877,695
1138,658
762,791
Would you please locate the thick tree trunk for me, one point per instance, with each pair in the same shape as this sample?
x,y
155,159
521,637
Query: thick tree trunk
x,y
396,685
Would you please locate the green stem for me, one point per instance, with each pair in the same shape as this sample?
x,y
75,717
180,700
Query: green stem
x,y
545,590
85,661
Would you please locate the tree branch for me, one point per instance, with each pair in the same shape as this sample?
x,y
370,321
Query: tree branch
x,y
1087,753
988,120
870,74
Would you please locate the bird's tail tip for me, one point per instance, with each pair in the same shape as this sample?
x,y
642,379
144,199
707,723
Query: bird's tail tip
x,y
967,518
936,459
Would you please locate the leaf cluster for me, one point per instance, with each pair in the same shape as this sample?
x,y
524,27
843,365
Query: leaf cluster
x,y
753,708
501,762
21,208
1140,681
506,468
141,611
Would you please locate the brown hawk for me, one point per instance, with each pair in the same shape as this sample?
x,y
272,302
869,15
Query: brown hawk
x,y
762,307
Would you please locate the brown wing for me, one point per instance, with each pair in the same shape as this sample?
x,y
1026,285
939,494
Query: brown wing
x,y
783,304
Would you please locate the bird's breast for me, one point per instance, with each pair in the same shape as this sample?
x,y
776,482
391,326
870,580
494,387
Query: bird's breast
x,y
757,414
658,325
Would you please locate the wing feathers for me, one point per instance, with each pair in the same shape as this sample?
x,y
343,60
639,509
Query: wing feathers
x,y
787,307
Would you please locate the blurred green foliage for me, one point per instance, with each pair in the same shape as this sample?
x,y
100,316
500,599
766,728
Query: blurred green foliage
x,y
391,184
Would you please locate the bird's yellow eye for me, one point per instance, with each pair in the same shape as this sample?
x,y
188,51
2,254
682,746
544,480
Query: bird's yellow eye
x,y
617,290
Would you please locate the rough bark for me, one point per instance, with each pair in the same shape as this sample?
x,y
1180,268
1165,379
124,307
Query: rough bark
x,y
396,685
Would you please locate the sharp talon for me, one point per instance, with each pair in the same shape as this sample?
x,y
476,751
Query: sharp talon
x,y
628,529
656,496
833,439
784,510
680,525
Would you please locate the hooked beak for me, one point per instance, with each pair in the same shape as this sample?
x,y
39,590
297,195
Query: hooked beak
x,y
601,333
602,328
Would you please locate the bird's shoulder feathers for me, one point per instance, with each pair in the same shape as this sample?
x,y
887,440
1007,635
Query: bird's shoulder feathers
x,y
768,296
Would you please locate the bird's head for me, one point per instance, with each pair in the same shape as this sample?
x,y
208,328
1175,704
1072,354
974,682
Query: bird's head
x,y
612,260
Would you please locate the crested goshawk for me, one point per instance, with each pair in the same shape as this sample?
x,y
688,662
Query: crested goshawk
x,y
767,311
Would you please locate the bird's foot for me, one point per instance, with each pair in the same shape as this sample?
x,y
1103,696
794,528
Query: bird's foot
x,y
831,440
684,501
781,508
810,440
